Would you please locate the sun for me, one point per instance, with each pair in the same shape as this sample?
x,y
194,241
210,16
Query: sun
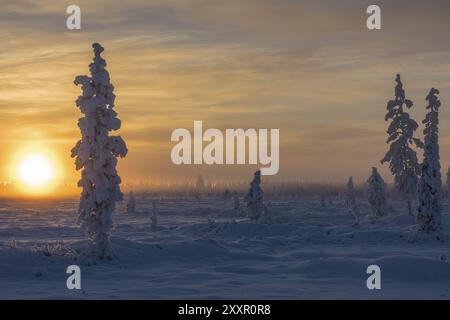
x,y
35,171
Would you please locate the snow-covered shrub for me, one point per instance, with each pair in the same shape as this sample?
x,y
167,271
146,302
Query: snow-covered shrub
x,y
254,199
377,194
401,157
430,184
351,201
12,244
49,249
53,249
96,155
131,203
212,225
323,202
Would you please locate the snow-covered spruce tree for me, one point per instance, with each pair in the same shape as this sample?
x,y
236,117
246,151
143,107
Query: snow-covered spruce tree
x,y
96,155
448,181
430,184
199,187
377,194
351,201
226,194
323,202
401,157
131,203
200,184
154,217
236,201
254,199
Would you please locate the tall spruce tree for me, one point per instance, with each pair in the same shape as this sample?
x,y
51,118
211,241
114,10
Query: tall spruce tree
x,y
401,156
430,184
96,155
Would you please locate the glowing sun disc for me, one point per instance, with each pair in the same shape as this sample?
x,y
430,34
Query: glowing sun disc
x,y
35,171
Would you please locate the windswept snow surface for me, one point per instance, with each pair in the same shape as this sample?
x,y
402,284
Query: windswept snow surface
x,y
206,250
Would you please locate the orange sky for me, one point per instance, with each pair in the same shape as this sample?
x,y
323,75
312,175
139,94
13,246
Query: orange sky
x,y
309,68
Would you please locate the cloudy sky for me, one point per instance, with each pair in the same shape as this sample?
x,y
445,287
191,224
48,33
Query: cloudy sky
x,y
309,68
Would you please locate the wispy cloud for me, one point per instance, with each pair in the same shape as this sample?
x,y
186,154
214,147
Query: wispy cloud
x,y
310,68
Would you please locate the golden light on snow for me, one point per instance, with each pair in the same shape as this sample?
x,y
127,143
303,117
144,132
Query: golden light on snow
x,y
35,172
